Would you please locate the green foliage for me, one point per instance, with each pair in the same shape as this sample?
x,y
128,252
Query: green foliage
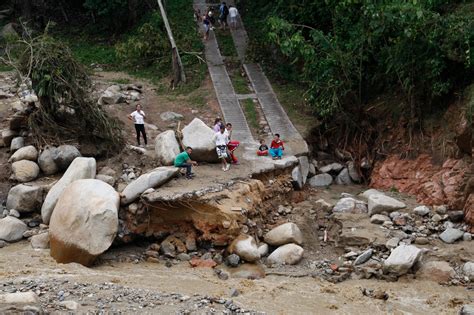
x,y
250,113
347,52
226,43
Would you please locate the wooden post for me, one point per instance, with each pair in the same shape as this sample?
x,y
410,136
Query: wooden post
x,y
178,70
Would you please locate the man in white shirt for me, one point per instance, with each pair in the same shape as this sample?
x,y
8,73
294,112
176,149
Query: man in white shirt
x,y
233,13
221,139
138,118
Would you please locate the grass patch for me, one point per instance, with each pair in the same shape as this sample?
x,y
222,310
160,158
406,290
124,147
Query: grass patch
x,y
197,101
240,83
225,42
89,50
5,67
250,113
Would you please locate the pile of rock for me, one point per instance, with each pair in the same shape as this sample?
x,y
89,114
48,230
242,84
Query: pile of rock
x,y
326,173
120,93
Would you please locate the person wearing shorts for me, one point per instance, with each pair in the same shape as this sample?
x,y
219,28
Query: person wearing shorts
x,y
233,13
221,140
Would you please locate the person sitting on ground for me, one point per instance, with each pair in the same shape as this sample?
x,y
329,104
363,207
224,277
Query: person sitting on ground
x,y
276,147
182,160
232,145
138,117
217,124
262,149
221,139
233,13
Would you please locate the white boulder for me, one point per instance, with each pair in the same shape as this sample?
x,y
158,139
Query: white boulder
x,y
153,179
284,234
25,171
333,167
199,136
320,180
468,270
166,147
245,247
40,241
84,221
80,168
304,167
402,259
289,254
24,153
350,205
25,198
422,210
12,229
382,203
369,192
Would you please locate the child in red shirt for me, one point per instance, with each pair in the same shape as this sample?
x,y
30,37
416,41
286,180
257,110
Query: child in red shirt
x,y
276,148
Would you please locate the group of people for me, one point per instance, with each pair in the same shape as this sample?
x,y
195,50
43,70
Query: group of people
x,y
225,12
225,146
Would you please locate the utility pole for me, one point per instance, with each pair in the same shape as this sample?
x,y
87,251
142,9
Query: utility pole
x,y
178,70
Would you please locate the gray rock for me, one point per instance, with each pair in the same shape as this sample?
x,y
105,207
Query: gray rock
x,y
3,243
350,205
312,170
80,168
379,219
19,298
468,270
46,161
331,168
285,162
343,178
17,143
297,178
467,237
168,249
402,259
64,155
184,257
232,260
364,257
289,254
25,171
7,136
320,180
25,198
353,172
84,222
366,194
323,205
284,234
442,209
111,96
153,179
40,241
263,249
106,179
14,213
24,153
245,247
392,243
12,229
456,216
421,211
107,171
421,241
467,310
171,116
166,147
451,235
70,305
381,203
200,137
304,167
436,218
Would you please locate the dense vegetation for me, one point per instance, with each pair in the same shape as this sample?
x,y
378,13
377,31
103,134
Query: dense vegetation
x,y
347,52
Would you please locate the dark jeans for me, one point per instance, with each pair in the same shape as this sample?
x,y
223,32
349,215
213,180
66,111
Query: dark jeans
x,y
140,128
188,168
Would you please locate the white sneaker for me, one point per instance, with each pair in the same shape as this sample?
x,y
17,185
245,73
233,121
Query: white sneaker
x,y
228,167
223,168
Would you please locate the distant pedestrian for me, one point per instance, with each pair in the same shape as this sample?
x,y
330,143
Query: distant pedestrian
x,y
221,140
217,124
262,149
223,13
233,14
276,147
232,145
182,160
138,117
206,23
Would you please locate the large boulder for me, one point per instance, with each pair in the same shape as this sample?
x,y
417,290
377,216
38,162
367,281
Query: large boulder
x,y
80,168
343,178
112,96
245,247
25,198
304,167
369,192
64,155
12,229
320,180
166,147
171,116
331,168
24,153
84,221
284,234
379,203
25,171
199,136
153,179
17,143
350,205
451,235
46,161
297,178
402,259
353,172
289,254
439,271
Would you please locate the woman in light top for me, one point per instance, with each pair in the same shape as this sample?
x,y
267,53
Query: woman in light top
x,y
138,117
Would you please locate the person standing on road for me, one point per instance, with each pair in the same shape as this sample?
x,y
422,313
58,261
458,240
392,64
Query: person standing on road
x,y
138,118
206,23
232,145
233,13
221,139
